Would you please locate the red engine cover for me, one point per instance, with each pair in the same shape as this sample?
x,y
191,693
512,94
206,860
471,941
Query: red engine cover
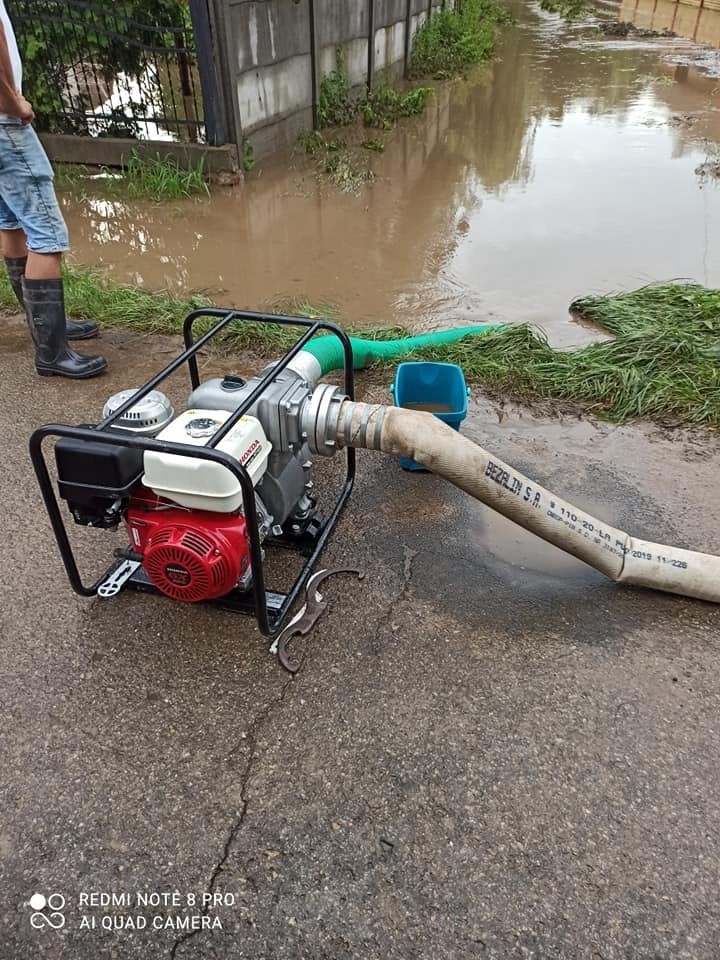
x,y
189,555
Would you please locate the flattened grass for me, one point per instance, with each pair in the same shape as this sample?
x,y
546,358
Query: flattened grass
x,y
663,363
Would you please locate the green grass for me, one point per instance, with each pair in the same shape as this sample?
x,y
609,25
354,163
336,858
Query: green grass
x,y
347,164
162,178
90,296
248,156
568,9
453,40
663,364
297,306
325,310
155,178
337,107
380,107
335,159
374,145
70,177
384,105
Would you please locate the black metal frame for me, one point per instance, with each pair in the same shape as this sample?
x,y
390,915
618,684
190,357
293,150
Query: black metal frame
x,y
71,30
271,608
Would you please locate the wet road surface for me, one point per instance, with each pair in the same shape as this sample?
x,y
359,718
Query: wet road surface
x,y
490,751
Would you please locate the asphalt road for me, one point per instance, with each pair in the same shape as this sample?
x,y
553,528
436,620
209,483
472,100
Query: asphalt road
x,y
490,750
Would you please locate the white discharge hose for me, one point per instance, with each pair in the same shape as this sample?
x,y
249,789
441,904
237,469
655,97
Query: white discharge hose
x,y
625,559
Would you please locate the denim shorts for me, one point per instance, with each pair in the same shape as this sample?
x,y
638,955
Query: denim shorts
x,y
27,195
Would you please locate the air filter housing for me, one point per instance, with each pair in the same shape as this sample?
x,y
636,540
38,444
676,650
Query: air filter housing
x,y
146,418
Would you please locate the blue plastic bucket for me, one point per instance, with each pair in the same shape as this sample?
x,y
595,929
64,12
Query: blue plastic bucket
x,y
439,388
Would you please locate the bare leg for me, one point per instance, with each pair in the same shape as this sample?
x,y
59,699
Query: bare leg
x,y
13,243
40,266
44,266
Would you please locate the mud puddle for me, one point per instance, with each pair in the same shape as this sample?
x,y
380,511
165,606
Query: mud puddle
x,y
559,170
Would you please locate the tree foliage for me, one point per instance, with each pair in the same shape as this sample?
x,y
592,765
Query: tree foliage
x,y
100,40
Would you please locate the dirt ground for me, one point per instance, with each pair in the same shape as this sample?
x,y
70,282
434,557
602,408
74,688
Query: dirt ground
x,y
490,751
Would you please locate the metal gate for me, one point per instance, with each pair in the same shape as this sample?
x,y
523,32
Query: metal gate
x,y
131,68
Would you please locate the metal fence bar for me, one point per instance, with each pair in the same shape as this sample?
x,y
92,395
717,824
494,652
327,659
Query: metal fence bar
x,y
214,125
94,69
219,18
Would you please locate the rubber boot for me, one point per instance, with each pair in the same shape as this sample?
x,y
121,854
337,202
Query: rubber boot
x,y
45,306
73,331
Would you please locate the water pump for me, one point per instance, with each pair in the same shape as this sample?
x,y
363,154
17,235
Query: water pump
x,y
203,494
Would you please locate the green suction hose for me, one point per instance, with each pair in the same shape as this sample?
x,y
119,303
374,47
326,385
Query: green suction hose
x,y
328,350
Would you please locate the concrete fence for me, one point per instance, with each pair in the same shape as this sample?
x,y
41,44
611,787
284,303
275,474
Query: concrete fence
x,y
277,52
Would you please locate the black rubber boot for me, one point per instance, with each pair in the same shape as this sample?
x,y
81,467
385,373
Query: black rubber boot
x,y
16,271
73,331
45,307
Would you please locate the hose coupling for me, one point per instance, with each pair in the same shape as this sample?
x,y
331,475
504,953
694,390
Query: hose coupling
x,y
319,419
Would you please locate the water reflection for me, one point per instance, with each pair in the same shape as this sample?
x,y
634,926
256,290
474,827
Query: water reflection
x,y
564,167
696,22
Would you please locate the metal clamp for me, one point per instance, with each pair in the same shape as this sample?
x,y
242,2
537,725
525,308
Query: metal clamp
x,y
319,418
306,618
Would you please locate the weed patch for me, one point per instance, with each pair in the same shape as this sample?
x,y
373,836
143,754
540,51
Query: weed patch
x,y
336,105
336,160
344,164
70,177
384,105
567,9
381,107
453,40
377,146
157,178
161,178
248,156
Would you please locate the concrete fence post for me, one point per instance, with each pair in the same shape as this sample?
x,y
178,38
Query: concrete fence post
x,y
314,66
371,44
408,34
227,55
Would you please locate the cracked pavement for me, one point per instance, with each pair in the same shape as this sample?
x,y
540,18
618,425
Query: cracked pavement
x,y
490,750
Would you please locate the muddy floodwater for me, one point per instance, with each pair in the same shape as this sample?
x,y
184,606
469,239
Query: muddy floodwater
x,y
565,167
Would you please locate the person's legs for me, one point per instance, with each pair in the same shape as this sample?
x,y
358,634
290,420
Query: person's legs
x,y
26,189
45,305
20,263
44,266
13,244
